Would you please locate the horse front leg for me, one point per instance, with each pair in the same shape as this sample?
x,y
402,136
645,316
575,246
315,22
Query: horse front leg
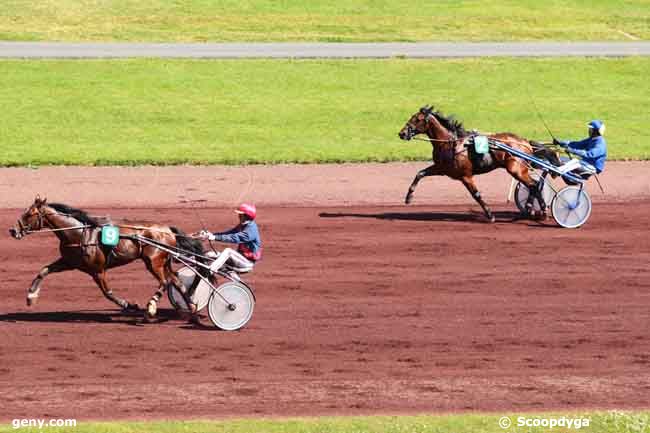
x,y
34,290
431,170
100,280
152,305
473,190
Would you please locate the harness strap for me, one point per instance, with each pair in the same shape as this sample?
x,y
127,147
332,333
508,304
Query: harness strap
x,y
79,245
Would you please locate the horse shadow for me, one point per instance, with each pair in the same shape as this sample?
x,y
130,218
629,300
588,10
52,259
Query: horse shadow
x,y
89,316
472,216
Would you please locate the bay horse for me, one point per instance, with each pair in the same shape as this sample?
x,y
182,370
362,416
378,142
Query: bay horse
x,y
452,158
80,247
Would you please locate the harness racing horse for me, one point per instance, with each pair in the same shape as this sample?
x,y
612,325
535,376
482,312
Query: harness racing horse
x,y
452,158
81,248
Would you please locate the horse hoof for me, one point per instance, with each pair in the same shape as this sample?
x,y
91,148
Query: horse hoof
x,y
408,199
492,219
538,216
31,301
152,309
131,308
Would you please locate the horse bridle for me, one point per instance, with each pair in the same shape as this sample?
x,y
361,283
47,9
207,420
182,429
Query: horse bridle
x,y
27,229
412,131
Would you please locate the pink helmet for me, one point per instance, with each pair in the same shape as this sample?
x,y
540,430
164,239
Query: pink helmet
x,y
247,209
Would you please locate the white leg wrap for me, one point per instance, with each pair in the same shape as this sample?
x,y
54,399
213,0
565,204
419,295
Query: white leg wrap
x,y
221,260
240,262
234,258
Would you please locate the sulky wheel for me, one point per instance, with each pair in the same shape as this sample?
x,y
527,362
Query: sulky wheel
x,y
571,207
201,293
522,193
231,306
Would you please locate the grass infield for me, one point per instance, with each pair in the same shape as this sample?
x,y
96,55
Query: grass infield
x,y
150,111
599,422
321,20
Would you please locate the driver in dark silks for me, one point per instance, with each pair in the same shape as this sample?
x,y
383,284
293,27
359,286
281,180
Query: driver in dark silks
x,y
247,237
592,151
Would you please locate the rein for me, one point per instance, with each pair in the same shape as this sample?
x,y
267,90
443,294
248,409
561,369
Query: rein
x,y
127,226
43,217
158,244
29,232
452,140
434,140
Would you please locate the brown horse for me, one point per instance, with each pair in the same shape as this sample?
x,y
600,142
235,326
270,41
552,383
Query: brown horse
x,y
453,158
81,248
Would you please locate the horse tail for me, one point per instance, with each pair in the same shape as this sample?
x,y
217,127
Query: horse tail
x,y
192,246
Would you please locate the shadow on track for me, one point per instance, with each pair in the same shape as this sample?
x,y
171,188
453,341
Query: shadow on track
x,y
472,216
87,316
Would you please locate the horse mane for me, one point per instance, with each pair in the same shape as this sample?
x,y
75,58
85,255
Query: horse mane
x,y
451,123
79,214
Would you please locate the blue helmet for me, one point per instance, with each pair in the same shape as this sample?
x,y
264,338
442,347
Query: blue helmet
x,y
597,125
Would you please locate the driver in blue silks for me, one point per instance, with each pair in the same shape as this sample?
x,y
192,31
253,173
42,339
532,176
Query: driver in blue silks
x,y
592,150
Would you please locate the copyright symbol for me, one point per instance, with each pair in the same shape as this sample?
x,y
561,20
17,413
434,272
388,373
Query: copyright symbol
x,y
505,422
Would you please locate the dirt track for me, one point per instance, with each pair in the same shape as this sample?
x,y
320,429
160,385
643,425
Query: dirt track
x,y
295,185
360,310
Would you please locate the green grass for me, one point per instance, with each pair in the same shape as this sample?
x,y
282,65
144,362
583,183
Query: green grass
x,y
321,20
599,422
132,112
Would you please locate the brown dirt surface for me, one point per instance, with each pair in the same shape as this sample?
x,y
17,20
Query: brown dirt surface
x,y
301,185
360,310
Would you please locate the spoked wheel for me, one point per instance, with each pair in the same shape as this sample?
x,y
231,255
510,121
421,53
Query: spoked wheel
x,y
571,207
231,306
522,193
201,295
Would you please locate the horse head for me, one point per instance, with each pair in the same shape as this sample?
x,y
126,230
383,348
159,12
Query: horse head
x,y
417,124
31,220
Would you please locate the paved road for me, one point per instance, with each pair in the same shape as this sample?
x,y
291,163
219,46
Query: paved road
x,y
320,50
